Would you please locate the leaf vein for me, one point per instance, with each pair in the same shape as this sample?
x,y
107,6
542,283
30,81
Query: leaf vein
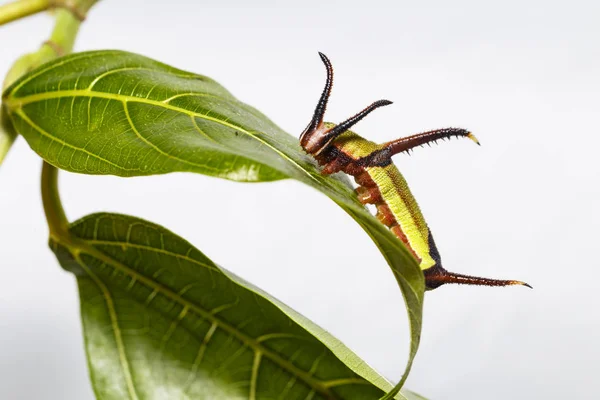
x,y
115,327
156,148
254,375
25,117
13,102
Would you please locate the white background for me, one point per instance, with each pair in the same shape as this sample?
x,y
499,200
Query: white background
x,y
524,76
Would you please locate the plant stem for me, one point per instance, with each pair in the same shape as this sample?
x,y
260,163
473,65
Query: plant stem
x,y
69,16
60,43
55,214
22,8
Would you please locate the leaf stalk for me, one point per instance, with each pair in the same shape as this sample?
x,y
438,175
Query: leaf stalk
x,y
60,43
55,213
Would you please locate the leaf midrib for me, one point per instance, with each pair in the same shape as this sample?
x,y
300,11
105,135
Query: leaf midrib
x,y
16,103
81,246
115,326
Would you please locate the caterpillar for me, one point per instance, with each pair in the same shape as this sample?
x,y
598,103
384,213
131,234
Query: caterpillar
x,y
380,183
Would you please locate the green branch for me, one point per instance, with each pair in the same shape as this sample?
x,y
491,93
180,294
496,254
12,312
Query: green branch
x,y
69,16
22,8
61,42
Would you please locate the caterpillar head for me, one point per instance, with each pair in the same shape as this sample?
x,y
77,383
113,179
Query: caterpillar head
x,y
317,136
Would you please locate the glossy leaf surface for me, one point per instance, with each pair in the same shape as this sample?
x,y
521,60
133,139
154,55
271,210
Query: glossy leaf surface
x,y
111,112
162,321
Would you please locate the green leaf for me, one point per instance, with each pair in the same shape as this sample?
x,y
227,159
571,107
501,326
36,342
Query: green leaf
x,y
111,112
162,321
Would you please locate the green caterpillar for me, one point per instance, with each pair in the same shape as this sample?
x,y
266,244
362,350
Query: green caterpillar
x,y
336,148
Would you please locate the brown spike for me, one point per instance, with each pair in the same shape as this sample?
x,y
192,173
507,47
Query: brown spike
x,y
410,142
350,122
317,119
437,276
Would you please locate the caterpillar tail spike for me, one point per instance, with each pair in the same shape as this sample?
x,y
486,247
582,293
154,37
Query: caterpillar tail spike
x,y
436,277
380,183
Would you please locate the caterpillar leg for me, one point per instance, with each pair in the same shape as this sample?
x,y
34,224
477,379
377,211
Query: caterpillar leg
x,y
368,195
